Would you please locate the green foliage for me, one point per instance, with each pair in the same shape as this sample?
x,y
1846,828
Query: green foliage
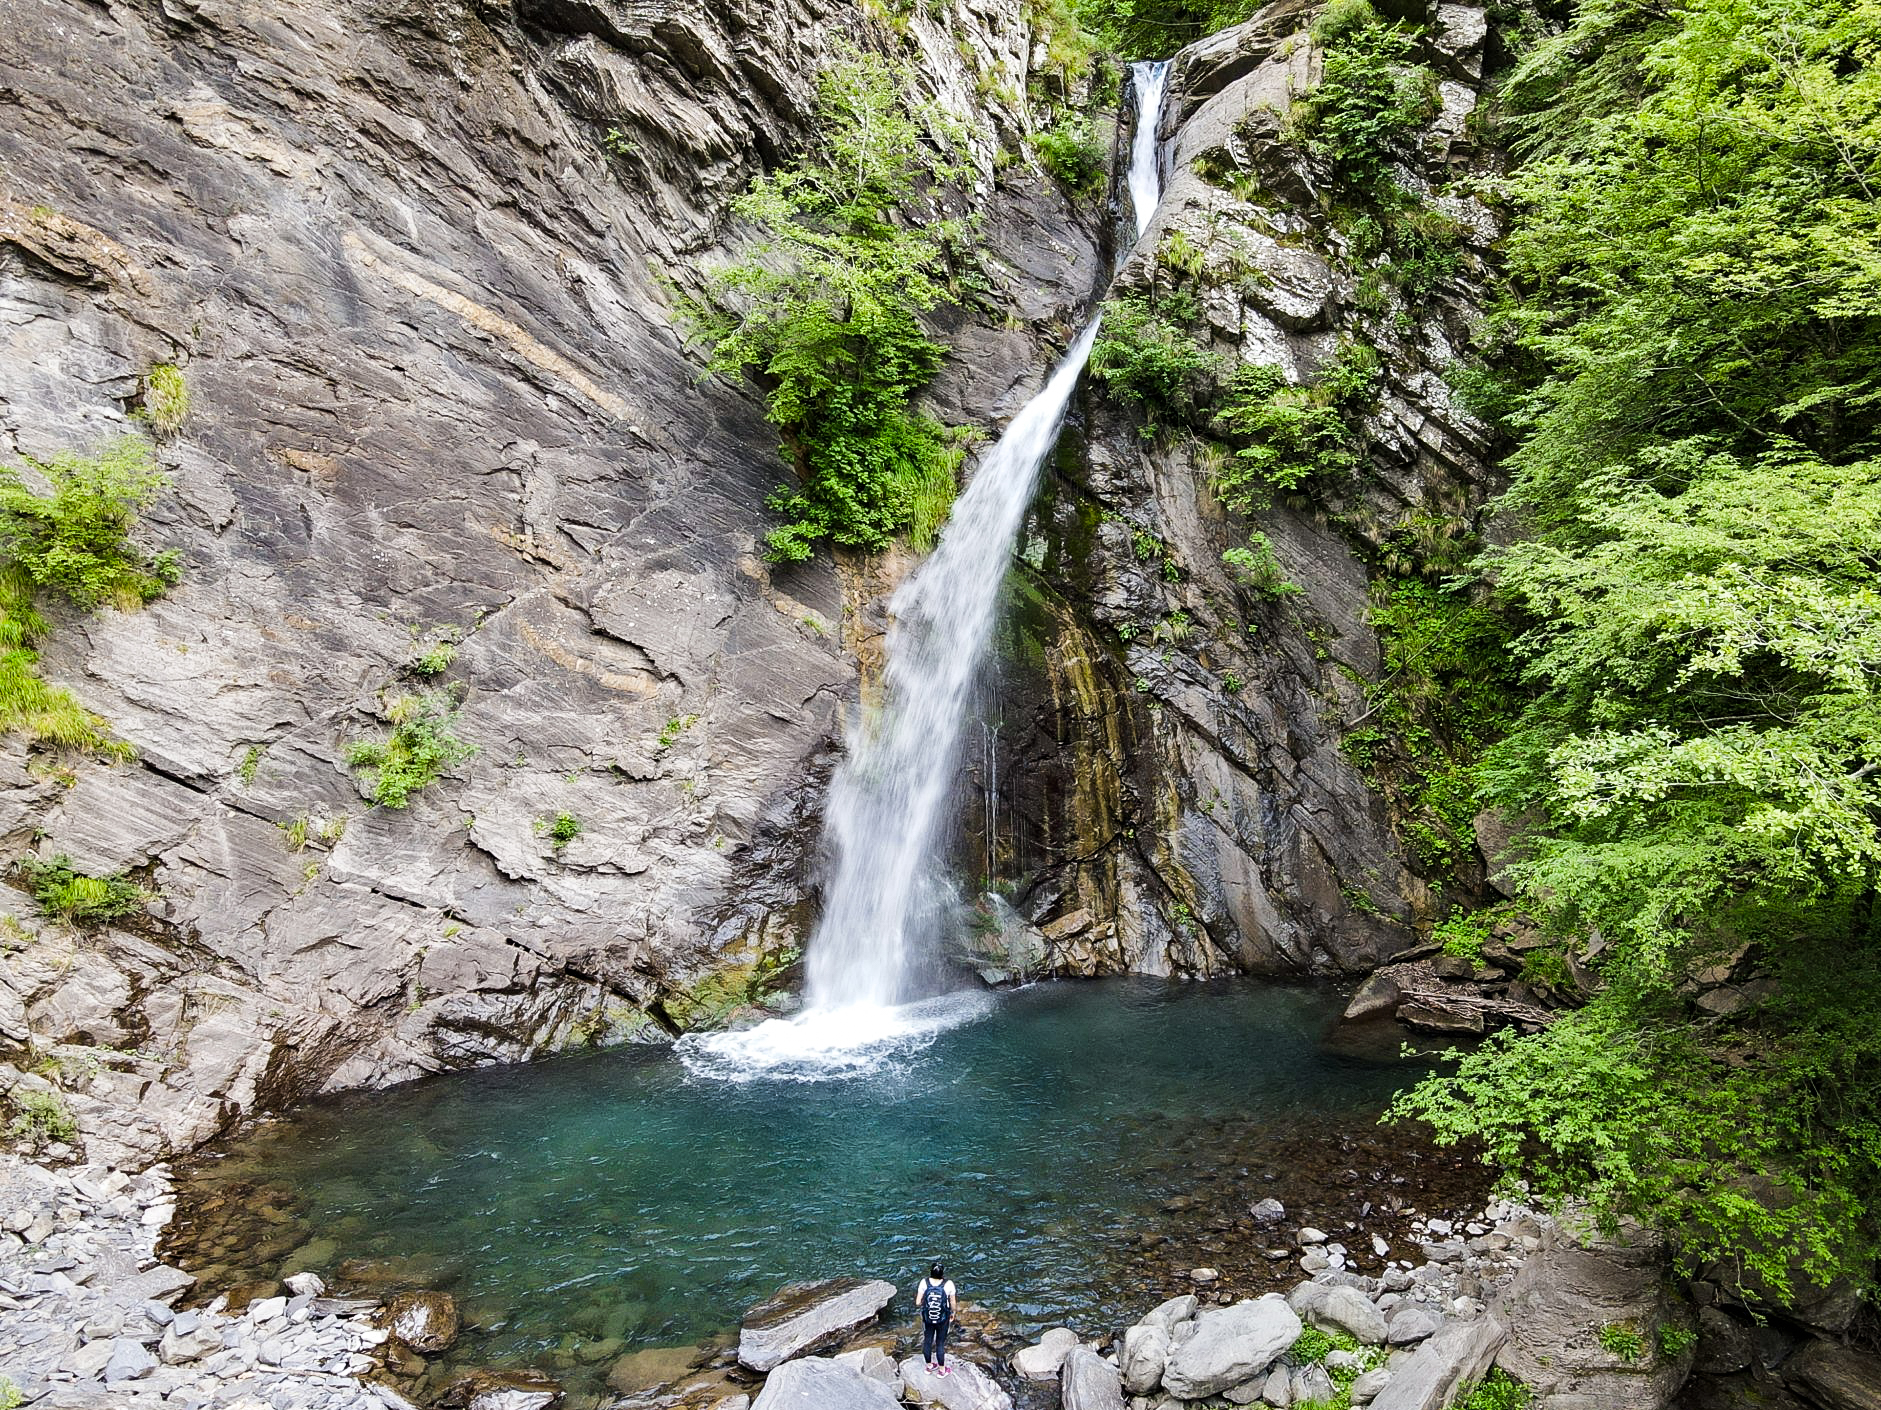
x,y
1370,97
1675,1341
824,311
10,1395
1070,150
66,894
76,540
1621,1339
1155,29
40,1119
1496,1391
250,765
1446,690
673,728
564,830
1255,568
1289,435
1314,1344
1694,317
433,651
420,748
1146,355
1464,933
166,398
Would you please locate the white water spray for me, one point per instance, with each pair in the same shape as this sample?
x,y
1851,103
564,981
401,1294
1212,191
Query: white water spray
x,y
888,810
1151,77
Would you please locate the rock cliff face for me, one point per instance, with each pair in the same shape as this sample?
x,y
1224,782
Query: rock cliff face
x,y
1170,783
416,265
419,268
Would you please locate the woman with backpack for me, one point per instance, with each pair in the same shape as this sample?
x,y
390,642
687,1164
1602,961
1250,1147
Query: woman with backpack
x,y
934,1305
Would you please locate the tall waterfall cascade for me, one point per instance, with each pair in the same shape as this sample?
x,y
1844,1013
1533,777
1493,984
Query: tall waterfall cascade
x,y
887,817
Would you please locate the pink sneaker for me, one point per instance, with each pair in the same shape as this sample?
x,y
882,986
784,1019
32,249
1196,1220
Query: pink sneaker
x,y
943,1372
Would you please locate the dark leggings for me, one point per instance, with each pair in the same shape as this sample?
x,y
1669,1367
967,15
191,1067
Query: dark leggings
x,y
934,1341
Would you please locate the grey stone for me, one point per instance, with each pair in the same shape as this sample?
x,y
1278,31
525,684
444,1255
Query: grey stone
x,y
424,1321
805,1317
1267,1211
1312,1385
1367,1385
1345,1308
1411,1323
815,1383
1144,1353
1725,1345
964,1387
1089,1382
1835,1377
873,1362
1431,1377
1230,1345
1167,1314
130,1360
1041,1362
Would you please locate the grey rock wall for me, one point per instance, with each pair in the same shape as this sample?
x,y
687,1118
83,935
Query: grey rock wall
x,y
1171,791
424,304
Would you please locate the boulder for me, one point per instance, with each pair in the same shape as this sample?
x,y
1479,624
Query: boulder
x,y
805,1317
1835,1377
964,1387
874,1363
129,1361
187,1341
1167,1314
425,1321
1230,1345
1312,1385
1377,997
1725,1344
501,1390
305,1284
1462,1351
1141,1359
1043,1361
816,1383
1411,1323
1090,1382
1367,1385
1347,1309
1278,1390
1562,1298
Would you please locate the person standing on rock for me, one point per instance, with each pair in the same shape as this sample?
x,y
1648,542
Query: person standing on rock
x,y
934,1305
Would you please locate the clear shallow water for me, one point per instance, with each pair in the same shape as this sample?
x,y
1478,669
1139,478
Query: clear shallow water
x,y
619,1197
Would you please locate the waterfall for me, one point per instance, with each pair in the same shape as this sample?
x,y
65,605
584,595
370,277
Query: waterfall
x,y
1150,77
886,821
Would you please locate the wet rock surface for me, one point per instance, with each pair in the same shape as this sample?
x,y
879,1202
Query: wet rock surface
x,y
808,1317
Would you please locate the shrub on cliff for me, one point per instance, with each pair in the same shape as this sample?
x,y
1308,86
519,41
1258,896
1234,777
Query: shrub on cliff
x,y
420,748
824,311
73,540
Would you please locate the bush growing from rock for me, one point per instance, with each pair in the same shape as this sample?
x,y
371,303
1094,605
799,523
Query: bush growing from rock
x,y
420,749
64,893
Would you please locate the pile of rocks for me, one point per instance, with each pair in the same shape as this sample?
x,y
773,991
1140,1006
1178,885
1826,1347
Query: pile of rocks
x,y
88,1316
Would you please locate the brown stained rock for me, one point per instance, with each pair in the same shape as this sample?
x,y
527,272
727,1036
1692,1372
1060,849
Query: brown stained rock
x,y
425,1321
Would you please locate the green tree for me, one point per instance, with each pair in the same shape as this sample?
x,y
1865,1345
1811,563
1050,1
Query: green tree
x,y
1695,320
824,310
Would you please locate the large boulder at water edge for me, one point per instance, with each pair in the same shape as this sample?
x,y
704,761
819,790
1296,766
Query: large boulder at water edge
x,y
1090,1382
807,1317
814,1383
1043,1361
1230,1346
1460,1353
964,1387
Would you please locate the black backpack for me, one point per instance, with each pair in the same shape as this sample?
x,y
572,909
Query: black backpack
x,y
933,1302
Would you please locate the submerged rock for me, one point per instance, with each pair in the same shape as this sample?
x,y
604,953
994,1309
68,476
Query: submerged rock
x,y
1231,1345
806,1317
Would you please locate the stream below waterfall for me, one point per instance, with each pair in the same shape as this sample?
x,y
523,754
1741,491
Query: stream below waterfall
x,y
1072,1154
